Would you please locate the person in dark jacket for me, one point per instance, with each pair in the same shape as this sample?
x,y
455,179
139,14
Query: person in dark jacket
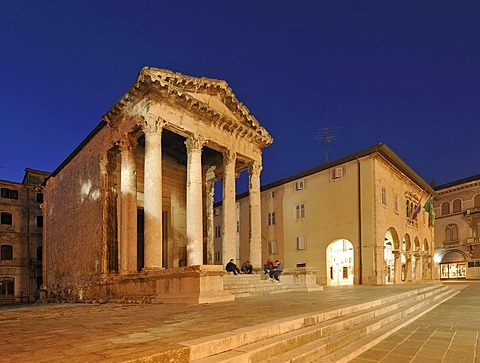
x,y
276,271
232,267
247,267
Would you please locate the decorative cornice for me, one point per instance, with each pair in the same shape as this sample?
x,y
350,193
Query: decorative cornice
x,y
175,85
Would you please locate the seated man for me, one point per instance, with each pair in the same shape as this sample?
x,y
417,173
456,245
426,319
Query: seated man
x,y
267,266
247,268
276,271
232,267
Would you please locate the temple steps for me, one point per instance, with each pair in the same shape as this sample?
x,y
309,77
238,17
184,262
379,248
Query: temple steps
x,y
251,284
338,335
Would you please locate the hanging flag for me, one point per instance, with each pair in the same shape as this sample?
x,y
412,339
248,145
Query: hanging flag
x,y
429,209
416,212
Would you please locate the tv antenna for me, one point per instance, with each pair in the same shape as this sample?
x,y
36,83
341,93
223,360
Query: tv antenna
x,y
327,135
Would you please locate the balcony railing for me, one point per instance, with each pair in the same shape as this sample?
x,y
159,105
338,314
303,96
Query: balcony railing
x,y
472,211
473,240
450,244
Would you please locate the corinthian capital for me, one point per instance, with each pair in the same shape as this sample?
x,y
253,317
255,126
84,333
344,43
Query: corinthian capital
x,y
195,142
229,157
255,168
153,124
126,142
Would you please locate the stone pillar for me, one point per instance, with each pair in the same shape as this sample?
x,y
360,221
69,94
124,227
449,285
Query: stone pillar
x,y
128,205
418,267
397,277
194,145
255,215
229,222
210,229
153,194
408,267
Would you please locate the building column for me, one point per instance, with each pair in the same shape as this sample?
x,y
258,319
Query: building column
x,y
128,205
255,215
418,266
209,219
194,145
153,194
229,220
397,277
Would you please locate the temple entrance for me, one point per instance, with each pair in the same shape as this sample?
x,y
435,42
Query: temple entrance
x,y
340,262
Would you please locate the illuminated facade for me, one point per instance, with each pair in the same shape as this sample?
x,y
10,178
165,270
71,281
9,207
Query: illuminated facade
x,y
21,226
136,197
457,229
351,220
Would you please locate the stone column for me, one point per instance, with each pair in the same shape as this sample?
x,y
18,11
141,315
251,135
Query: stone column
x,y
229,222
408,266
210,230
128,205
153,194
418,266
397,277
255,215
194,145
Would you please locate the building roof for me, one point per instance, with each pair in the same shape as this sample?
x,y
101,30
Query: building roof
x,y
458,182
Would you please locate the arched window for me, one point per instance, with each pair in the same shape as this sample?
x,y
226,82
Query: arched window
x,y
6,218
6,253
476,201
457,206
451,233
445,208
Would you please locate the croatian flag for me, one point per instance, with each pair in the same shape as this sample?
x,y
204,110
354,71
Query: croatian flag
x,y
416,212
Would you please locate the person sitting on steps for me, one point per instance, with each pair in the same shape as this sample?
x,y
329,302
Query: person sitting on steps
x,y
247,268
276,271
232,267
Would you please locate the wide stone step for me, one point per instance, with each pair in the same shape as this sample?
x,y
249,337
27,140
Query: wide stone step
x,y
257,344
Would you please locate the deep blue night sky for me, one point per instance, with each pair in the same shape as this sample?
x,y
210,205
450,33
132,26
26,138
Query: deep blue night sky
x,y
406,73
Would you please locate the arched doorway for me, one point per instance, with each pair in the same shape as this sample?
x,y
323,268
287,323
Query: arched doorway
x,y
453,265
391,249
340,262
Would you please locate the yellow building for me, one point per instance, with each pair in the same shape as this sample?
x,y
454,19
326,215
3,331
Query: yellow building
x,y
457,227
351,220
21,226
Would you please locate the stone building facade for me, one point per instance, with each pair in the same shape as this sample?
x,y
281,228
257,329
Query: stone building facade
x,y
352,221
21,226
129,214
457,227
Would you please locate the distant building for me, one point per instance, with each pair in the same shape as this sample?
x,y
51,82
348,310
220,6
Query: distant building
x,y
21,226
352,220
457,229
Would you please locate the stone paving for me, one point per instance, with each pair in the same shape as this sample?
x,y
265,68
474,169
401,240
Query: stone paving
x,y
120,333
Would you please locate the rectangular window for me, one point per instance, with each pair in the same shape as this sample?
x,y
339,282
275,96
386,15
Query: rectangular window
x,y
6,253
384,196
300,185
40,221
218,256
395,203
338,173
271,194
218,232
216,212
39,197
6,218
301,245
272,248
9,193
300,211
271,218
238,227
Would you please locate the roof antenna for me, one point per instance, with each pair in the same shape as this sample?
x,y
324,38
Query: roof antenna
x,y
327,135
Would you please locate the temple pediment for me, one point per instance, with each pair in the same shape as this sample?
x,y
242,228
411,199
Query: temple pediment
x,y
212,100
